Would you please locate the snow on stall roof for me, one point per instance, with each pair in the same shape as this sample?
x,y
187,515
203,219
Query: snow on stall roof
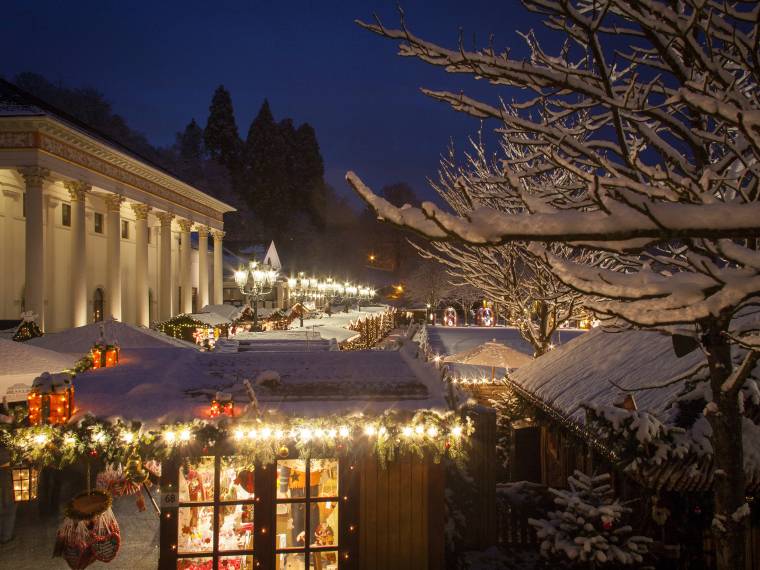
x,y
581,371
159,385
228,312
25,358
491,354
80,340
21,363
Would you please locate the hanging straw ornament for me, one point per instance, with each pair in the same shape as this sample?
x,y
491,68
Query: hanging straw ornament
x,y
89,531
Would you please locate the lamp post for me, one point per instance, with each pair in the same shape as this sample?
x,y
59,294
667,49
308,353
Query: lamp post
x,y
302,286
255,280
427,312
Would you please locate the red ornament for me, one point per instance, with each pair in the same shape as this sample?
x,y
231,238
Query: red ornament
x,y
245,480
607,525
93,453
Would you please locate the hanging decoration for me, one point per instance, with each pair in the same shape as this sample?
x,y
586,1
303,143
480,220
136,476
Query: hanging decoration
x,y
89,531
222,404
51,399
27,328
25,483
427,432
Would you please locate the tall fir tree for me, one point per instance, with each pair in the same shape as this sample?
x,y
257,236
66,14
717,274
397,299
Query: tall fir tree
x,y
309,170
221,132
191,150
266,180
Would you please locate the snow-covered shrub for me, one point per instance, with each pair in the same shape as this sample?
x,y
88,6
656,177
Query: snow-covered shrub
x,y
588,528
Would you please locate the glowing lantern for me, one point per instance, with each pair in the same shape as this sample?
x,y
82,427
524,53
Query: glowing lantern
x,y
51,400
104,355
25,480
221,404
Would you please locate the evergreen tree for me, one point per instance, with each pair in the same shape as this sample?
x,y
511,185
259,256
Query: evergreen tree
x,y
266,181
309,170
588,529
221,132
190,151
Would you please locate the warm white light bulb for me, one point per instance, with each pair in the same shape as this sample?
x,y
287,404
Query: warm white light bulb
x,y
267,432
456,431
238,434
170,436
370,430
432,431
343,431
184,435
407,431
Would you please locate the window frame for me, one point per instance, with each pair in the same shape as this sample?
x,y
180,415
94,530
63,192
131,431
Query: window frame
x,y
307,500
66,215
98,223
264,514
124,230
216,504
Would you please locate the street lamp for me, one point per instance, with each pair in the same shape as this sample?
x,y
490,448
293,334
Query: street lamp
x,y
255,280
427,312
303,287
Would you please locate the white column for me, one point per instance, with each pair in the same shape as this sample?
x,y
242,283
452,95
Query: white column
x,y
142,310
165,267
202,266
218,270
186,302
34,284
113,256
78,260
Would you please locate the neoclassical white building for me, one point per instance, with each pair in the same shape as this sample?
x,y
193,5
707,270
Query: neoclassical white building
x,y
89,229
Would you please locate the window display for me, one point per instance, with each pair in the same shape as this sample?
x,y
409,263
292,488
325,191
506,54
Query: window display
x,y
231,504
307,498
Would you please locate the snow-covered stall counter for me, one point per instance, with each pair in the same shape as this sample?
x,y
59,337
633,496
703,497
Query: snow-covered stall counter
x,y
330,461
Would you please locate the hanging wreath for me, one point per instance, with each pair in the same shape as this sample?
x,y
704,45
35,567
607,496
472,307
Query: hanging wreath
x,y
89,531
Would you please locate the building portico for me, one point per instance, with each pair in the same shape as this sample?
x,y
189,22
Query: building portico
x,y
89,230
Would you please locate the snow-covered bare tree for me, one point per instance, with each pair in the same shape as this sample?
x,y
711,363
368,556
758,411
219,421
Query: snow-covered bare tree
x,y
428,284
652,109
526,291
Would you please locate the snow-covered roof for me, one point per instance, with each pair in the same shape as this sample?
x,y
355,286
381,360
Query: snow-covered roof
x,y
452,340
158,385
583,370
22,362
226,311
80,340
491,354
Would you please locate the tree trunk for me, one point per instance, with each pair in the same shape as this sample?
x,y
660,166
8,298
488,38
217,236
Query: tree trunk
x,y
729,483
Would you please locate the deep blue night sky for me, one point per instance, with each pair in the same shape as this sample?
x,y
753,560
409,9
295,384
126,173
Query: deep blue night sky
x,y
159,63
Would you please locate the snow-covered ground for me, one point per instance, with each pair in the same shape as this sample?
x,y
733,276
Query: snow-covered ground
x,y
451,340
21,363
335,326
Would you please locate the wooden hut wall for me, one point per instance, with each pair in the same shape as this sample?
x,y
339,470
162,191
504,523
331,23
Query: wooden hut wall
x,y
401,515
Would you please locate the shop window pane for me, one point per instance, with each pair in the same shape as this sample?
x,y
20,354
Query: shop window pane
x,y
196,481
236,527
196,531
195,564
324,561
246,562
324,523
236,481
323,478
291,479
291,525
290,561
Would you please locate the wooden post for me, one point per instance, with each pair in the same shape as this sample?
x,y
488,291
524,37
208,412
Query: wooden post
x,y
436,515
167,559
481,515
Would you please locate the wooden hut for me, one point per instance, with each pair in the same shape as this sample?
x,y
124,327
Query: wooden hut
x,y
580,407
331,461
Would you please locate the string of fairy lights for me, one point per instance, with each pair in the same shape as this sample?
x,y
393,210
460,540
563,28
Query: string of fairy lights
x,y
427,432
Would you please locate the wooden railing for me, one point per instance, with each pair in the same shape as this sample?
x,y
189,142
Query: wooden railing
x,y
513,529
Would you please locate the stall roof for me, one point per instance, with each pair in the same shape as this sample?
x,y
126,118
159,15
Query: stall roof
x,y
80,340
491,354
21,363
583,371
169,384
